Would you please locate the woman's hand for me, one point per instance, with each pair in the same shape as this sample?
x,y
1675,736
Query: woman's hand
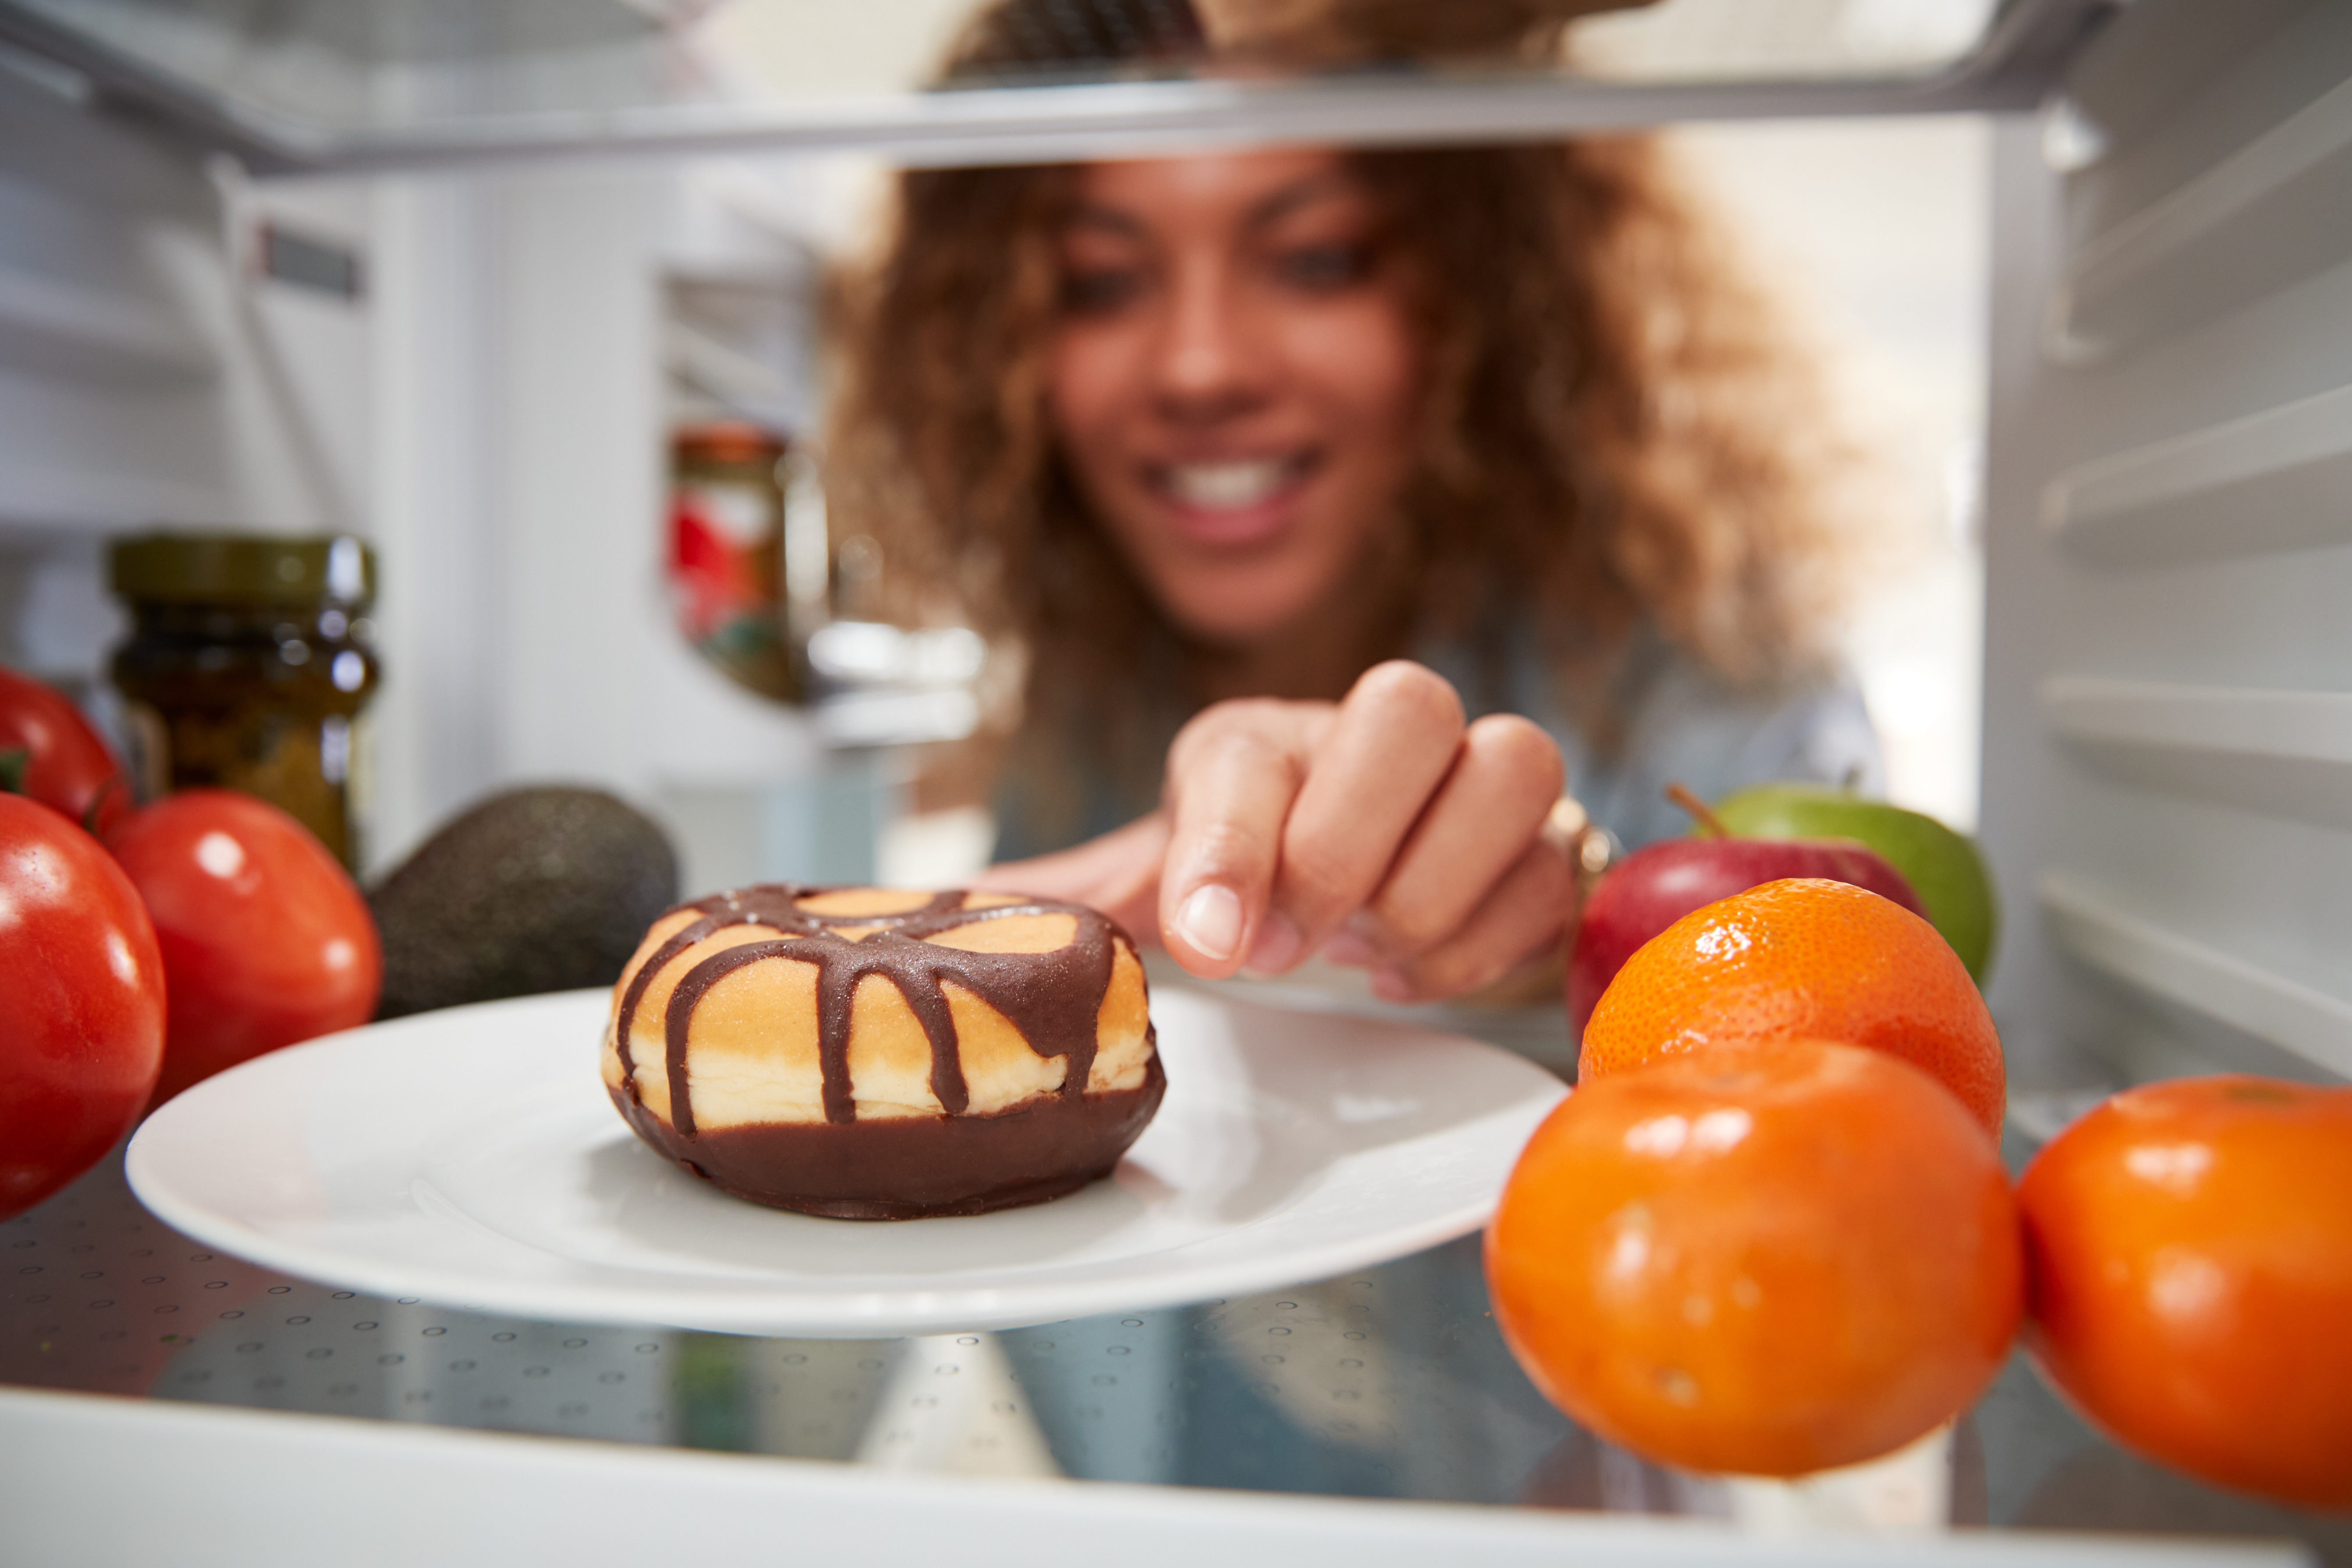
x,y
1380,830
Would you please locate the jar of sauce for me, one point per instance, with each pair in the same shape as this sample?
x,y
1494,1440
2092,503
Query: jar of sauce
x,y
248,664
728,554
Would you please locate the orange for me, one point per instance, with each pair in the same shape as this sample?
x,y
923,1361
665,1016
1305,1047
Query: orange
x,y
2190,1251
1767,1259
1802,957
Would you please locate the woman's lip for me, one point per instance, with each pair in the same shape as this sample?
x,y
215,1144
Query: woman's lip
x,y
1231,501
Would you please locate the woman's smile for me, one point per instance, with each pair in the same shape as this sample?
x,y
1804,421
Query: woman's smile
x,y
1232,502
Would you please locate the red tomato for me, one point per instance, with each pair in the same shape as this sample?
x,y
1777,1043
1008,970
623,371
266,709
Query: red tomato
x,y
81,1010
266,941
49,751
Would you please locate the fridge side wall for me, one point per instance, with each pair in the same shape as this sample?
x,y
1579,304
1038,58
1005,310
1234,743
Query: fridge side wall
x,y
154,373
2167,784
110,401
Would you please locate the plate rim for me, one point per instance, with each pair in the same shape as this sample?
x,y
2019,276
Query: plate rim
x,y
782,1311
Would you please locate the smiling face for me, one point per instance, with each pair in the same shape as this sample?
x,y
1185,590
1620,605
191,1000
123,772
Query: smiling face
x,y
1232,384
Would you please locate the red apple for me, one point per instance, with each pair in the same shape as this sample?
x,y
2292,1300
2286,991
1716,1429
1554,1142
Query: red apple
x,y
1660,883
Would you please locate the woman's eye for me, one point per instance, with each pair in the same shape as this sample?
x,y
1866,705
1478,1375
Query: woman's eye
x,y
1093,291
1320,267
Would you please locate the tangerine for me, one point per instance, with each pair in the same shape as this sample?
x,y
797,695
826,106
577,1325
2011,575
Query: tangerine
x,y
1803,956
1767,1259
2190,1252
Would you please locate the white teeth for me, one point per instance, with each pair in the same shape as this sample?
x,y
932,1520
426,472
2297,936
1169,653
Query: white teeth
x,y
1226,487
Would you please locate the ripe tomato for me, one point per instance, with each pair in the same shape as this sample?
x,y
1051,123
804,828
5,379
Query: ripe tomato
x,y
2190,1245
81,1011
1764,1259
49,751
266,941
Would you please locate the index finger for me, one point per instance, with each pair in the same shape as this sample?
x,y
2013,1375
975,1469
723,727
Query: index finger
x,y
1233,776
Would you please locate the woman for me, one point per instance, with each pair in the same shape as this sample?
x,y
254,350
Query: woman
x,y
1348,507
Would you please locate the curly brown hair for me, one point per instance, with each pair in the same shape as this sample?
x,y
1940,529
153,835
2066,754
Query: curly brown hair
x,y
1616,426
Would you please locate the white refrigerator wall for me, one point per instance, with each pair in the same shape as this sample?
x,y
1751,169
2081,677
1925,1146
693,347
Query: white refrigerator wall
x,y
111,403
148,376
489,413
521,429
519,511
2167,790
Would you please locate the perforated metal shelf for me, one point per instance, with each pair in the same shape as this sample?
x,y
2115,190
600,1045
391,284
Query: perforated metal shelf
x,y
1391,1382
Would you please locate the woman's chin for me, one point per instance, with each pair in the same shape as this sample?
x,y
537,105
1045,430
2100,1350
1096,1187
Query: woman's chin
x,y
1237,623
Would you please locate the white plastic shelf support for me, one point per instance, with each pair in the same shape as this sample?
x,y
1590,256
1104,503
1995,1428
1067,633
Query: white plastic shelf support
x,y
2282,753
2185,258
2300,726
49,324
2278,480
2097,931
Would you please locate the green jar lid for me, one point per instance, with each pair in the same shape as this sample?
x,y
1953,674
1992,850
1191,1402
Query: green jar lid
x,y
243,569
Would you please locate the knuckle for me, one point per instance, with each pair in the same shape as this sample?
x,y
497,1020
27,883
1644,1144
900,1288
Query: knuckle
x,y
1518,749
1236,715
1253,752
1413,690
1230,747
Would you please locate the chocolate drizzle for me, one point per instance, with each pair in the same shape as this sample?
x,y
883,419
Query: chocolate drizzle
x,y
1052,998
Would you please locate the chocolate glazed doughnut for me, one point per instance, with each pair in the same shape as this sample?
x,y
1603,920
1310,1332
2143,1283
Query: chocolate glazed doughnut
x,y
863,1053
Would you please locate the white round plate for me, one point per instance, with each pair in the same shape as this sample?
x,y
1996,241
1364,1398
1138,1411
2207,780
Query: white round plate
x,y
471,1157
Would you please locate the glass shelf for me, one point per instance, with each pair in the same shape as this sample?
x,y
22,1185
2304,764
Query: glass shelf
x,y
1391,1383
355,84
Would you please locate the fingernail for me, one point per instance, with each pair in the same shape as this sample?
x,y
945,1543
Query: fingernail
x,y
1389,984
1350,951
1210,921
1276,947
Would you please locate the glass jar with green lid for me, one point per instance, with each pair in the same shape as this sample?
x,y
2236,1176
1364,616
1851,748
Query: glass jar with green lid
x,y
247,667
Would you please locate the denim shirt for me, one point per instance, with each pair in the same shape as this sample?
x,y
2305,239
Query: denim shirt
x,y
1684,725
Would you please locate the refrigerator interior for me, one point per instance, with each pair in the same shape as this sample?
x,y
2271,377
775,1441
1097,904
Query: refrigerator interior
x,y
2166,718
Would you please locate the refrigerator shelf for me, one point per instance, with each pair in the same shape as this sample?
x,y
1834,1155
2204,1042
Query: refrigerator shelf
x,y
324,86
1377,1415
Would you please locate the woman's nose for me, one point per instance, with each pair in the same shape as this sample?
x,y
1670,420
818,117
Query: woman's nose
x,y
1211,362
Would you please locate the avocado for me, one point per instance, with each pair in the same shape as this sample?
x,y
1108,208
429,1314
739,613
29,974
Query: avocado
x,y
542,889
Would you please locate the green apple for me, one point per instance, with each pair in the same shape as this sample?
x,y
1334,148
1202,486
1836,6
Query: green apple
x,y
1943,866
